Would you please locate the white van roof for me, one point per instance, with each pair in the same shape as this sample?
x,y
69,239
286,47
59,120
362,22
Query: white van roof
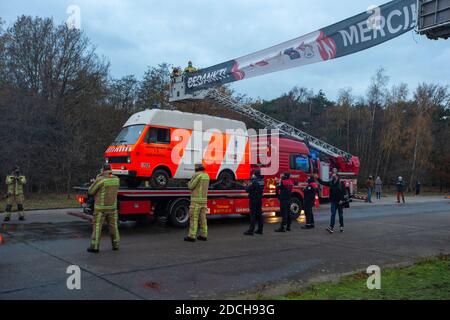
x,y
183,120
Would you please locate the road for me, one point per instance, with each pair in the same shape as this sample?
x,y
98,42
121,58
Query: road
x,y
155,262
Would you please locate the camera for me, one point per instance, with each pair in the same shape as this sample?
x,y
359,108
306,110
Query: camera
x,y
346,202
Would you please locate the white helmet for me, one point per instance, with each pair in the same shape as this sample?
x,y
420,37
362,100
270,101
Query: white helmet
x,y
400,178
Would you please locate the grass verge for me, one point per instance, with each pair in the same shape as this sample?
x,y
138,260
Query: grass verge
x,y
47,201
426,280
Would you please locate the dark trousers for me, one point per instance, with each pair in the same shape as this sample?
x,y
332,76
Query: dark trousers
x,y
309,214
285,213
256,217
400,194
336,207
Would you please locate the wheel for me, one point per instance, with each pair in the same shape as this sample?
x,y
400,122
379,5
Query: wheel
x,y
133,183
226,179
159,179
179,213
296,207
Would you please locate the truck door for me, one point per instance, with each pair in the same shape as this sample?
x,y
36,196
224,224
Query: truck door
x,y
157,149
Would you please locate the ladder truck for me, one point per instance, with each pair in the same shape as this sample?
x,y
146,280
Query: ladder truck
x,y
363,31
333,158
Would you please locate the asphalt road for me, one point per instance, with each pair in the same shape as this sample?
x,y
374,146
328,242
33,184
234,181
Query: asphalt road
x,y
155,262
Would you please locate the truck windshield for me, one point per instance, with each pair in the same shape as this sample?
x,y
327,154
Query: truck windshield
x,y
129,135
300,162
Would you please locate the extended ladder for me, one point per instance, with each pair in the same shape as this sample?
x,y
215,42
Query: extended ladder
x,y
271,123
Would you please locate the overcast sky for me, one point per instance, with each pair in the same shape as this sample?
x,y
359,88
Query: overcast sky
x,y
134,34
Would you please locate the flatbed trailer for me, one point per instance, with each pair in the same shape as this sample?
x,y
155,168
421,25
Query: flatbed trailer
x,y
173,203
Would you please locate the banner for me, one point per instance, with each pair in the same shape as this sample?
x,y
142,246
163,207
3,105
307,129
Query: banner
x,y
363,31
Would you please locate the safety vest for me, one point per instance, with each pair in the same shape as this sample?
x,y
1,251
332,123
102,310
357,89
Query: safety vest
x,y
190,69
15,185
199,185
105,188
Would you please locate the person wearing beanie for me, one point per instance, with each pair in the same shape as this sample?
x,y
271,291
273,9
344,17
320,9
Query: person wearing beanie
x,y
255,192
309,193
284,193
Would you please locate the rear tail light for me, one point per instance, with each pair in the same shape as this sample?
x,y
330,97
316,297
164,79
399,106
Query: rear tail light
x,y
81,199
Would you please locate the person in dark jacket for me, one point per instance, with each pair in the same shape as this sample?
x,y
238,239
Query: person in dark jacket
x,y
284,191
309,193
255,192
337,196
418,187
401,186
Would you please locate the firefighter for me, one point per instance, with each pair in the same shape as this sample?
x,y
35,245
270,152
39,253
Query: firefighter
x,y
284,191
104,189
15,182
190,68
198,185
176,72
255,192
337,198
309,193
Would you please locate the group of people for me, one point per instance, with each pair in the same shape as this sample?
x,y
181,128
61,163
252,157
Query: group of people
x,y
199,185
176,71
377,187
106,186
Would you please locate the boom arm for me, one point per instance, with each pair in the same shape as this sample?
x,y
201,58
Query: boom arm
x,y
272,123
363,31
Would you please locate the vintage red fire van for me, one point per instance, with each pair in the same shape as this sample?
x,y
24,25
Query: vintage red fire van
x,y
157,145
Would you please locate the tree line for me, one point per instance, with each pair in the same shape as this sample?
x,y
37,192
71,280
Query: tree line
x,y
60,108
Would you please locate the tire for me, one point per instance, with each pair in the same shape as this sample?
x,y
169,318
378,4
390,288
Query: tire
x,y
133,183
160,179
179,213
226,179
296,208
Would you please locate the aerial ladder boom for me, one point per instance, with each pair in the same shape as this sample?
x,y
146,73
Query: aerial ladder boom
x,y
363,31
271,123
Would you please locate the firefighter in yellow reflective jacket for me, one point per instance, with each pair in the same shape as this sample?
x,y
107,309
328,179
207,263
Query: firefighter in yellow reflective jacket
x,y
15,183
105,188
198,185
190,68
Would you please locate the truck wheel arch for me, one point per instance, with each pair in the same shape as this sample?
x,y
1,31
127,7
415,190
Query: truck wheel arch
x,y
178,210
229,176
164,173
165,168
296,200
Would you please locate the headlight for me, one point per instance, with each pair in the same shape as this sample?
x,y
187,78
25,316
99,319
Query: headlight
x,y
128,159
106,160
